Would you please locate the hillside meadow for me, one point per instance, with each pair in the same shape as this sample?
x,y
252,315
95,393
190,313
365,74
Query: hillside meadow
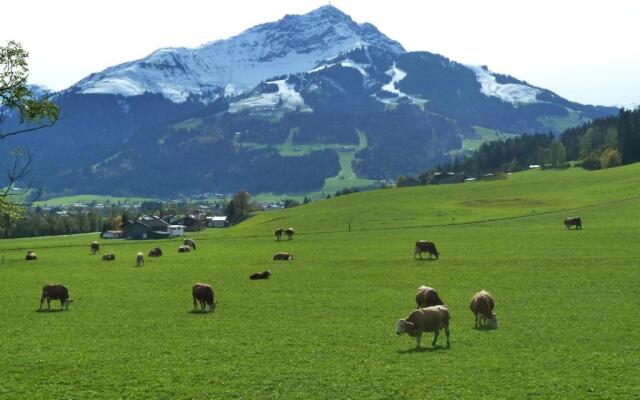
x,y
323,326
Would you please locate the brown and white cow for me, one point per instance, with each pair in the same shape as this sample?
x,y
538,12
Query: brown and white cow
x,y
278,232
289,231
282,257
190,242
156,252
109,257
139,259
94,247
184,249
31,255
203,294
424,246
55,292
260,275
573,221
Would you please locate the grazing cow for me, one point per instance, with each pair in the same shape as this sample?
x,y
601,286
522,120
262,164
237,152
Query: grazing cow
x,y
108,257
289,231
139,259
278,233
482,307
55,292
157,252
282,257
260,275
427,297
573,221
95,248
31,255
184,249
190,242
429,319
424,246
203,294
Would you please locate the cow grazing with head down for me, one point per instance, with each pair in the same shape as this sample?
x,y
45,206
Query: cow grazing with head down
x,y
109,257
139,259
184,249
289,231
203,294
260,275
482,307
190,242
31,255
427,297
573,221
157,252
278,232
94,247
424,246
282,257
429,319
55,292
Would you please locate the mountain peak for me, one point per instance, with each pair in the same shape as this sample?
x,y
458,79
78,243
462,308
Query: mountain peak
x,y
329,11
295,43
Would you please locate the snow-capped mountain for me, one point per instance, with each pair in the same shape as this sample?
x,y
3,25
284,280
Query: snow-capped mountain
x,y
226,110
295,43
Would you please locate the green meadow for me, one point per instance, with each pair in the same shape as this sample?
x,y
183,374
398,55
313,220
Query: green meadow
x,y
323,326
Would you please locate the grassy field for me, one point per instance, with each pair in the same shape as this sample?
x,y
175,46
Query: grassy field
x,y
323,326
485,135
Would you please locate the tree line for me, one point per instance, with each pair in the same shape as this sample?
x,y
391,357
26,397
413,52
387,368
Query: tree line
x,y
602,143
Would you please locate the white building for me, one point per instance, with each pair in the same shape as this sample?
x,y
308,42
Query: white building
x,y
217,222
176,230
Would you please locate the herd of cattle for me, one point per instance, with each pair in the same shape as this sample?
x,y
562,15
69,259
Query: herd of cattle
x,y
432,315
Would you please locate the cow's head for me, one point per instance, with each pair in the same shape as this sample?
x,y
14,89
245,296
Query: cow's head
x,y
212,306
67,302
402,326
493,321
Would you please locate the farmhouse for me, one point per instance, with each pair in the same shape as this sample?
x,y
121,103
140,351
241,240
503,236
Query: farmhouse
x,y
146,228
217,221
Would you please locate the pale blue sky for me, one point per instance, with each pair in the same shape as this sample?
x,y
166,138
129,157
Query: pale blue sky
x,y
586,51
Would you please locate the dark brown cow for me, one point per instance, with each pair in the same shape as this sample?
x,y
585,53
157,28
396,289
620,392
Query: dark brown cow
x,y
109,257
157,252
95,248
260,275
31,255
203,294
289,231
190,242
282,257
55,292
184,249
573,221
278,233
427,297
424,246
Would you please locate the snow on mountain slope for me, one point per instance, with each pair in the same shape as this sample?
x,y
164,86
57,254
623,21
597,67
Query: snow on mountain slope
x,y
285,98
510,92
295,43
